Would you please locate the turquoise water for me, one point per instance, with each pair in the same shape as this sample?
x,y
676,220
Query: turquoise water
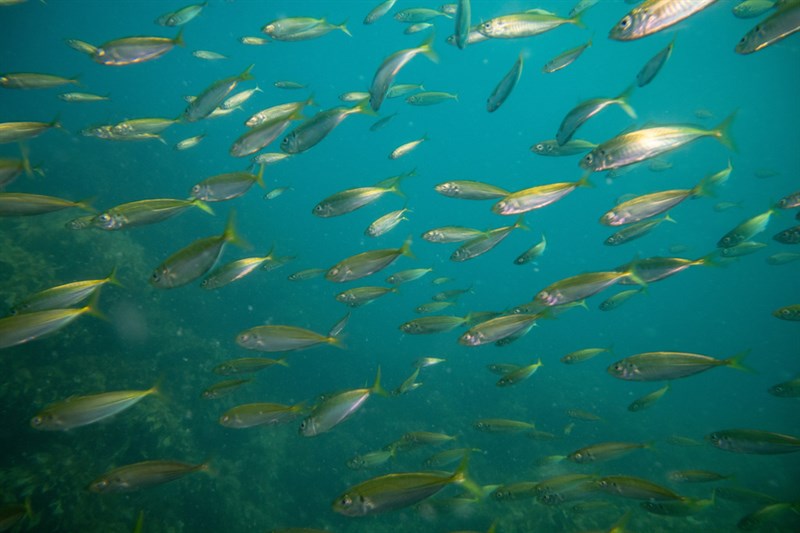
x,y
267,478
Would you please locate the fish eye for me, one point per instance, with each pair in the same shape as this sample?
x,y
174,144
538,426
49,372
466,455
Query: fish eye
x,y
36,421
785,312
318,208
196,188
578,456
346,501
539,147
204,283
625,22
589,158
155,276
225,418
105,217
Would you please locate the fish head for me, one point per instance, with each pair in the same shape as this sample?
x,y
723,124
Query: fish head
x,y
596,160
611,219
729,240
634,25
225,420
335,273
161,277
322,209
433,235
448,188
719,440
547,297
620,369
346,297
490,27
351,504
501,494
461,254
199,191
290,143
246,339
542,148
270,29
505,207
308,427
470,338
356,463
752,41
224,369
410,327
109,484
44,421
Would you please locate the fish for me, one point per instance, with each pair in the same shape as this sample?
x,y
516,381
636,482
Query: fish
x,y
746,230
34,80
649,205
653,16
146,474
182,16
133,50
362,295
786,389
789,201
580,356
646,143
277,113
254,41
349,200
235,271
753,8
386,223
380,123
483,243
582,286
396,491
143,212
209,55
190,142
501,368
142,126
312,131
301,28
63,296
787,236
515,491
397,90
25,327
520,374
406,148
432,307
606,451
753,441
408,384
81,46
635,488
239,98
551,148
580,414
695,476
504,88
684,507
367,263
654,65
427,98
280,338
788,312
378,11
779,25
566,58
404,276
391,66
194,260
578,115
447,457
423,362
657,366
270,158
743,248
651,269
462,23
223,388
371,459
261,135
470,190
636,230
783,258
288,84
618,299
582,6
532,253
537,197
474,36
497,328
214,95
647,401
247,365
335,409
222,187
19,131
433,324
418,14
756,520
78,411
260,414
354,96
308,273
527,24
416,439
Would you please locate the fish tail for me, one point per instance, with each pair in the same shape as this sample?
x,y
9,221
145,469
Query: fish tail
x,y
736,362
704,189
712,259
550,460
427,48
230,234
668,218
406,248
92,308
338,341
178,40
622,100
113,279
206,467
310,101
461,477
200,204
364,108
577,20
260,177
343,27
520,223
376,387
584,181
26,162
155,390
723,132
245,75
282,362
634,276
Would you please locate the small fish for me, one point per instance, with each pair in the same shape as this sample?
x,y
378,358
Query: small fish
x,y
502,425
780,24
463,15
181,16
589,108
379,11
130,478
363,295
19,131
580,414
684,507
470,190
635,488
789,312
653,16
787,236
228,186
408,384
274,193
235,271
396,491
417,439
504,88
337,408
77,411
580,356
278,338
83,97
404,276
143,212
526,24
636,230
474,36
427,98
280,112
423,362
418,14
405,148
261,134
433,324
190,142
208,55
349,200
757,519
313,130
371,459
432,307
754,441
566,58
260,414
532,253
380,123
649,205
302,28
783,258
247,365
239,98
651,269
208,100
787,389
550,147
657,366
744,248
582,286
254,41
582,6
132,50
606,451
746,230
647,401
618,299
354,96
194,260
308,273
401,89
695,476
483,243
289,84
25,327
366,263
753,8
497,328
223,388
537,197
520,374
391,66
654,65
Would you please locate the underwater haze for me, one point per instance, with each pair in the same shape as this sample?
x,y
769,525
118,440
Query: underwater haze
x,y
719,127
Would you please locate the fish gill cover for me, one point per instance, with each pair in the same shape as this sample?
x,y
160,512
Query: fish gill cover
x,y
191,341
